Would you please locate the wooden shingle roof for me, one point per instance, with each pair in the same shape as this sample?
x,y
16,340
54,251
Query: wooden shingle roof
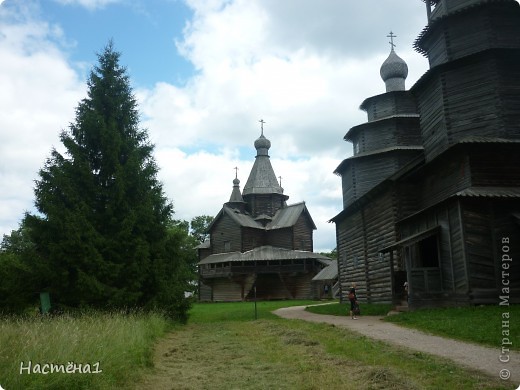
x,y
264,253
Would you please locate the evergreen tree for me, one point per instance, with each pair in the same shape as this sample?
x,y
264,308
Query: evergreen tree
x,y
103,222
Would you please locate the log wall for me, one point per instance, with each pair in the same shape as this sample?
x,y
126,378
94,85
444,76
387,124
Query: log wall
x,y
226,230
391,132
491,232
471,98
388,104
467,33
302,234
361,235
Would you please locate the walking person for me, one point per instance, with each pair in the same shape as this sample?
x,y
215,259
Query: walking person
x,y
353,301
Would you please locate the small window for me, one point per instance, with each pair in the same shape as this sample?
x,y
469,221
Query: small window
x,y
227,246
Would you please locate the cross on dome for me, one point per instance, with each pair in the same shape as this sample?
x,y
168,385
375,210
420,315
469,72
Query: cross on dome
x,y
262,126
392,36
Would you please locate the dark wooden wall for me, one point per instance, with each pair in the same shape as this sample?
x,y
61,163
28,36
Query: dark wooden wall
x,y
486,223
398,131
443,178
361,235
452,266
282,238
471,32
364,173
302,234
226,229
252,238
388,104
267,204
495,165
471,98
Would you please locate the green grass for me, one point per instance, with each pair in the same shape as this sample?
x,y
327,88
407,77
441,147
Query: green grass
x,y
122,344
223,347
239,311
341,309
477,324
486,321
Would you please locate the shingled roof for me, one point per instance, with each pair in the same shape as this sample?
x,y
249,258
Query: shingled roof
x,y
264,253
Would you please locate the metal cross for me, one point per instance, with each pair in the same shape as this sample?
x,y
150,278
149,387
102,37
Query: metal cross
x,y
392,36
236,172
262,125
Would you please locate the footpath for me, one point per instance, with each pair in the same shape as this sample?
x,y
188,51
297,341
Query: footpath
x,y
473,356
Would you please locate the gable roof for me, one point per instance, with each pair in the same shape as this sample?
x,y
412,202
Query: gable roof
x,y
330,272
284,218
288,216
242,219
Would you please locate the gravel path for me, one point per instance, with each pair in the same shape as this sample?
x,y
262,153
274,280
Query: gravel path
x,y
470,355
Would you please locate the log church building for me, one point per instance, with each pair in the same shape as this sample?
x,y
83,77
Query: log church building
x,y
431,194
260,247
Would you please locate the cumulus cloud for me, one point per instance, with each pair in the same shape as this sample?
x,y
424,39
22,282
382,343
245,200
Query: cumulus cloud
x,y
302,66
39,90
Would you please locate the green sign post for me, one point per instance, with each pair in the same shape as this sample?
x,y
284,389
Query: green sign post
x,y
45,302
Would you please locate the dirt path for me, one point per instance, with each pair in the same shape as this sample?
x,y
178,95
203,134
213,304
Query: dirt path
x,y
470,355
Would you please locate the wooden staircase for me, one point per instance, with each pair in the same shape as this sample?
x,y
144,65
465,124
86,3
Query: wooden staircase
x,y
402,307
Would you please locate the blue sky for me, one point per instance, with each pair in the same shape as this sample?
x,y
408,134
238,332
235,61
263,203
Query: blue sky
x,y
144,31
204,72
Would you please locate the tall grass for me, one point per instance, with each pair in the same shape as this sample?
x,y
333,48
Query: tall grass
x,y
121,344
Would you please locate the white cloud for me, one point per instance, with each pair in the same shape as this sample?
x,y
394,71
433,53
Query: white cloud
x,y
88,4
302,66
39,92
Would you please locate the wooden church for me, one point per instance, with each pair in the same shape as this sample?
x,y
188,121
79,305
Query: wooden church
x,y
259,247
431,195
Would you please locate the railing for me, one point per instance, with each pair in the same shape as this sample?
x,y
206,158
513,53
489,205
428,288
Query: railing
x,y
335,290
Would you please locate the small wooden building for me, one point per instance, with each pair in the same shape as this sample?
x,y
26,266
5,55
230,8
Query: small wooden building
x,y
259,247
326,282
444,216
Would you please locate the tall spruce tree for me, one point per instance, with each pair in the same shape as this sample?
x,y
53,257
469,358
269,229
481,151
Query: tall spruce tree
x,y
104,220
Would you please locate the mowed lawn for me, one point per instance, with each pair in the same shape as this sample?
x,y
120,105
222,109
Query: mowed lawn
x,y
224,347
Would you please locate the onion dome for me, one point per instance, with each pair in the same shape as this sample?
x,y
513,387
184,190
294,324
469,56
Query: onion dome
x,y
394,72
262,146
236,195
